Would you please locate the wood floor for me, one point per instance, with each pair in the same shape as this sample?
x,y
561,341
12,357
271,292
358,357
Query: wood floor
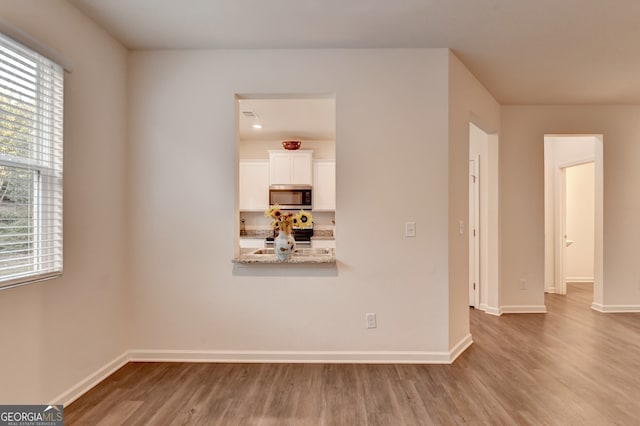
x,y
572,366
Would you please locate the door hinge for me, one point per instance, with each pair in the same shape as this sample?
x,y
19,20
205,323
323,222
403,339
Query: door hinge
x,y
474,286
474,232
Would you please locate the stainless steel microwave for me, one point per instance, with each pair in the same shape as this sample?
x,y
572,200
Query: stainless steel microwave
x,y
291,197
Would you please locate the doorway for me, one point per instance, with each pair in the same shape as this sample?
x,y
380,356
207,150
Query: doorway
x,y
483,220
573,212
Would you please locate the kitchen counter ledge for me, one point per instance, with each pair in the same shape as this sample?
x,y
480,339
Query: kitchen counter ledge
x,y
248,259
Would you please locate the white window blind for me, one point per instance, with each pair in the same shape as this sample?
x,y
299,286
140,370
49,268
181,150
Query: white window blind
x,y
31,113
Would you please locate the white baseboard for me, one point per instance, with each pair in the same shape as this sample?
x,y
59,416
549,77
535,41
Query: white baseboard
x,y
85,385
493,311
316,357
460,347
489,310
615,308
550,290
523,309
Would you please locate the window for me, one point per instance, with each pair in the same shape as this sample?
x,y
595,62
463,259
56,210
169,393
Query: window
x,y
31,109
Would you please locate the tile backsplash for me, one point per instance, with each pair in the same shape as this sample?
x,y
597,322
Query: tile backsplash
x,y
257,225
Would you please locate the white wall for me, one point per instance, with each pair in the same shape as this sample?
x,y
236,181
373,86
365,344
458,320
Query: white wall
x,y
54,334
522,200
580,222
392,167
469,102
571,149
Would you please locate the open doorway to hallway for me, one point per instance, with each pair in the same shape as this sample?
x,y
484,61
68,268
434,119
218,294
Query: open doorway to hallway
x,y
573,214
483,220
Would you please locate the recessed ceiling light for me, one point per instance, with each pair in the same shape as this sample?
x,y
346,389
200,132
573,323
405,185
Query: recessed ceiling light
x,y
257,126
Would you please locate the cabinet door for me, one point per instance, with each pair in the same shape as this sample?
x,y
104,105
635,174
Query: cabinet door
x,y
287,168
301,168
280,168
324,185
251,242
254,185
323,244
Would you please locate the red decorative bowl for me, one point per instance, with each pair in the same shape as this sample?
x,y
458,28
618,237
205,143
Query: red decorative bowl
x,y
291,145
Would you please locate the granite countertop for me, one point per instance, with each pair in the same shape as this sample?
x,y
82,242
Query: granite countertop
x,y
257,234
248,258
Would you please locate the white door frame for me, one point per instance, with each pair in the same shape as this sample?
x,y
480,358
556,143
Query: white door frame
x,y
474,232
557,240
560,229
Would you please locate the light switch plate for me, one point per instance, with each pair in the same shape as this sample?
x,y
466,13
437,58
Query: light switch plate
x,y
371,320
410,229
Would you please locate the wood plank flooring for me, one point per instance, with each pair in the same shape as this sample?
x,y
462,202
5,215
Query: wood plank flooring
x,y
572,366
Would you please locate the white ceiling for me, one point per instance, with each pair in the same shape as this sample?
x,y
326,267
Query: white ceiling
x,y
524,51
288,119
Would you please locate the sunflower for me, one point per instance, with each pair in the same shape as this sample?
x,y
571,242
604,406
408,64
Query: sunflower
x,y
276,213
304,219
270,210
285,221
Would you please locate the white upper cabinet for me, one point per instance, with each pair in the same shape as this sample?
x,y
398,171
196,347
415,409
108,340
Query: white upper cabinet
x,y
324,185
291,167
254,185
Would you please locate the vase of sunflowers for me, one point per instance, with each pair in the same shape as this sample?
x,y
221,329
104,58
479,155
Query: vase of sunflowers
x,y
283,246
284,222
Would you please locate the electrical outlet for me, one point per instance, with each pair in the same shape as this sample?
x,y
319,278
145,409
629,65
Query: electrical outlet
x,y
410,229
461,227
523,284
371,320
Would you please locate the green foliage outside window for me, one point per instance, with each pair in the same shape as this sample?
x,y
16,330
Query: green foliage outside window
x,y
17,185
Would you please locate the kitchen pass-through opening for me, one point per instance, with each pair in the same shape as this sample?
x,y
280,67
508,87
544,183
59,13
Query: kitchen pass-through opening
x,y
286,151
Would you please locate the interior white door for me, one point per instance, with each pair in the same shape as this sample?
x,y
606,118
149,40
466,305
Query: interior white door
x,y
474,234
580,259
